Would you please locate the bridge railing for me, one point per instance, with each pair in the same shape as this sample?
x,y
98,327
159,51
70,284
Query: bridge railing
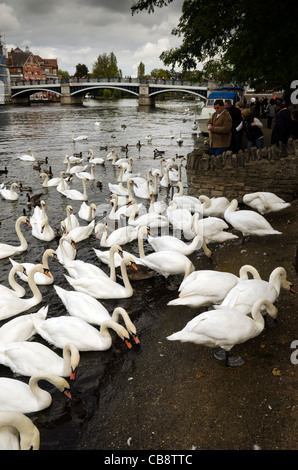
x,y
81,81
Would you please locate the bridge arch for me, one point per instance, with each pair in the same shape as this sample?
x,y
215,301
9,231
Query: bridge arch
x,y
83,91
178,90
31,91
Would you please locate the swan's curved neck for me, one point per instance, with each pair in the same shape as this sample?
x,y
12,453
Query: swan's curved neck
x,y
205,200
23,241
124,275
247,269
276,278
13,283
37,296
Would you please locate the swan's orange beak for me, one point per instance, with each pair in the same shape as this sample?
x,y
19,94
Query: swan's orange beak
x,y
47,272
292,289
135,337
134,266
67,393
73,374
128,343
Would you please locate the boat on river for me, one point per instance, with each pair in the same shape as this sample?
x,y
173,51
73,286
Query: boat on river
x,y
225,93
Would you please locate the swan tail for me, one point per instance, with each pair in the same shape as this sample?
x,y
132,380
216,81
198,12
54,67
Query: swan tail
x,y
42,312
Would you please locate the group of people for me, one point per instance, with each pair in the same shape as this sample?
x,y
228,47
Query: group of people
x,y
228,122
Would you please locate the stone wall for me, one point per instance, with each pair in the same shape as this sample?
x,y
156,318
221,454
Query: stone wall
x,y
271,169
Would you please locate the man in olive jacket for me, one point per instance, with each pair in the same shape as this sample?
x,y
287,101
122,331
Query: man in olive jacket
x,y
220,128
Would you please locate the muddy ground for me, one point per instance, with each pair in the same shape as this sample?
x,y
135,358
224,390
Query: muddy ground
x,y
171,395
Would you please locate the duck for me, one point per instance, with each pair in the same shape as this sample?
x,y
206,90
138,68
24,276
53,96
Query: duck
x,y
87,212
28,158
95,161
243,295
29,398
120,236
17,432
21,328
11,306
4,171
265,202
26,188
208,287
10,194
66,250
76,195
7,250
64,329
16,289
80,137
85,174
71,220
33,200
214,206
29,358
172,243
248,222
80,269
39,278
104,287
165,262
80,233
224,329
49,183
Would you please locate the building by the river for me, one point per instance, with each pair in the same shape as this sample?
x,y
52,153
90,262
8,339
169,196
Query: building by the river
x,y
4,75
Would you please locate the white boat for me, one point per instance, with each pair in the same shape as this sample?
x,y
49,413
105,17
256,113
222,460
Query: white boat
x,y
225,93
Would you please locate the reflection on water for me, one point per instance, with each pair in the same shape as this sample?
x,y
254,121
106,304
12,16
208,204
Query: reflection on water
x,y
47,130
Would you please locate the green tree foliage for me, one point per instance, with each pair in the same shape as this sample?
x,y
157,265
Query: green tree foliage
x,y
106,66
257,40
141,70
81,71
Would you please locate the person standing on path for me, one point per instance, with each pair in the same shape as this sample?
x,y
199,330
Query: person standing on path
x,y
220,129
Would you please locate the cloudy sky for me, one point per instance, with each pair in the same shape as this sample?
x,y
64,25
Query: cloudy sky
x,y
78,31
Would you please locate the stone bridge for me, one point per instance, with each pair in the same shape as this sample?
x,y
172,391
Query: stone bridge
x,y
73,92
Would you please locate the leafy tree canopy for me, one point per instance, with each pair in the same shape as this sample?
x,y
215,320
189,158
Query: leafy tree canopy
x,y
81,71
106,66
257,40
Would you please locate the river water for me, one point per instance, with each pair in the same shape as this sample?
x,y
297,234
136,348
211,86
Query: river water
x,y
47,130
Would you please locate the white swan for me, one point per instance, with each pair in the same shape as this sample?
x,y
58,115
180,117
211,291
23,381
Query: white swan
x,y
11,306
187,202
81,233
29,398
73,158
248,222
265,202
66,250
105,287
21,328
67,329
7,250
16,289
75,194
10,194
123,211
31,358
246,292
71,220
181,220
28,158
72,170
63,185
96,161
225,328
179,139
43,231
39,278
118,189
39,214
214,206
81,269
17,432
80,137
150,219
85,174
120,236
49,183
158,207
165,262
212,228
208,287
169,242
87,212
